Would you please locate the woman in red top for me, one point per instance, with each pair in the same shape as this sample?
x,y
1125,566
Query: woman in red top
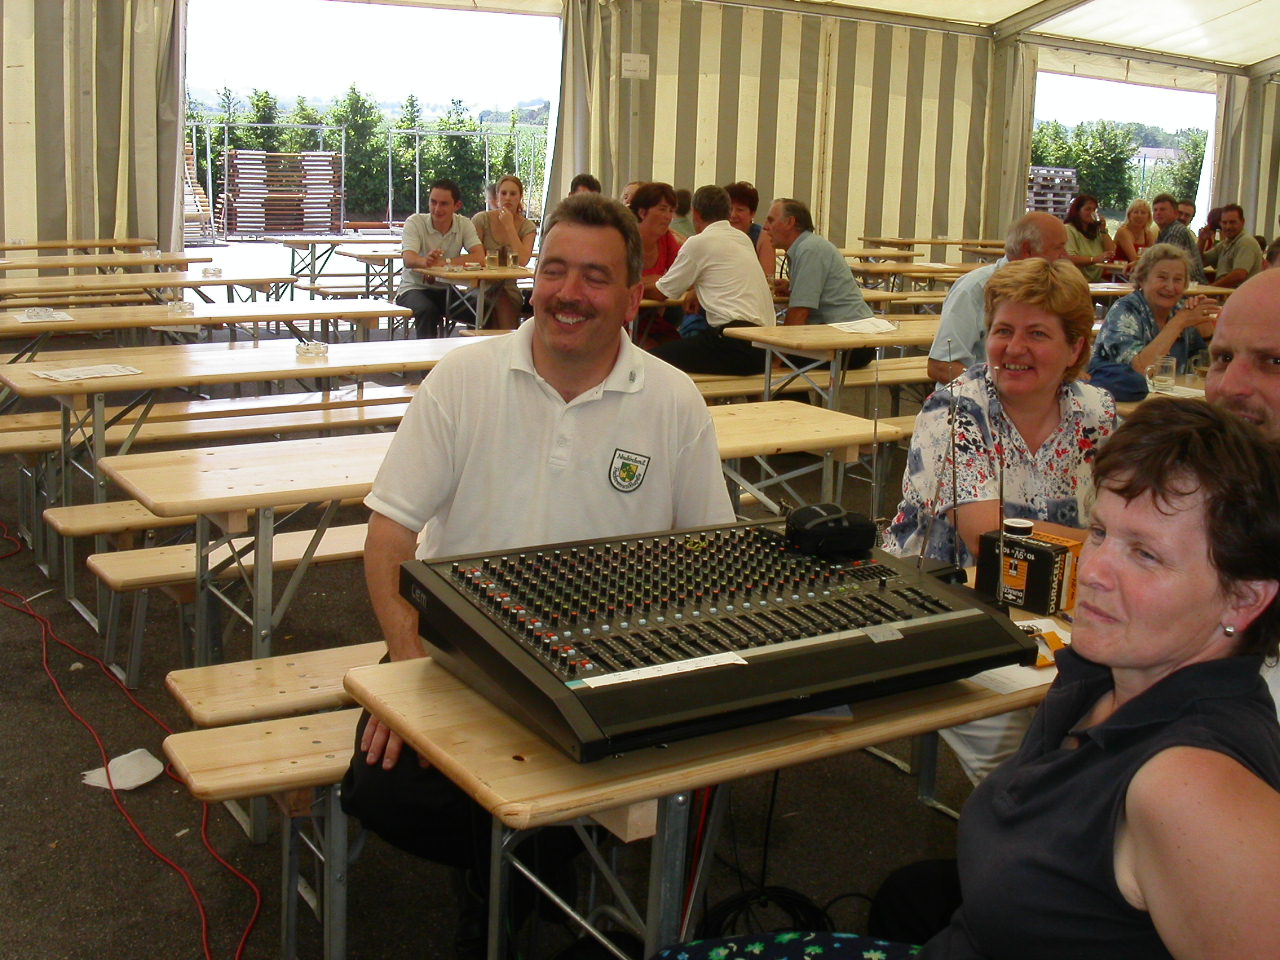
x,y
654,205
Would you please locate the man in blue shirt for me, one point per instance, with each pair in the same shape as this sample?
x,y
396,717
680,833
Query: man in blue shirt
x,y
821,284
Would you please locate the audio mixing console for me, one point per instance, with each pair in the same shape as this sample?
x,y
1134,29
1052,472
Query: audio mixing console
x,y
609,645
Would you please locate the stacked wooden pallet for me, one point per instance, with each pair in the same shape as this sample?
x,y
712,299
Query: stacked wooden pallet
x,y
271,193
197,217
1051,189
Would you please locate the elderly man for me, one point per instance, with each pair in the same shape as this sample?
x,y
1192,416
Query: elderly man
x,y
1164,210
962,332
562,430
442,238
1237,256
719,264
822,289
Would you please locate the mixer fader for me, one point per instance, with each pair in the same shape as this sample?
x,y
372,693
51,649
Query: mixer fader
x,y
613,644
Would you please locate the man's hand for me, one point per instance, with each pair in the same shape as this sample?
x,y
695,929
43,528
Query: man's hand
x,y
382,745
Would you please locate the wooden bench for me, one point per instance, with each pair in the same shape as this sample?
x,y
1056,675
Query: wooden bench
x,y
280,686
19,442
348,396
299,762
333,291
892,372
172,570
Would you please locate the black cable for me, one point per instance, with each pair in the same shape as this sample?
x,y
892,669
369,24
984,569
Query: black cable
x,y
768,828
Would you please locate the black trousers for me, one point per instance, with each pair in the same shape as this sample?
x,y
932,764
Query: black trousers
x,y
710,351
428,306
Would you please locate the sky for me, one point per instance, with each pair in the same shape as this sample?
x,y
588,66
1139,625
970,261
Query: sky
x,y
1070,100
318,48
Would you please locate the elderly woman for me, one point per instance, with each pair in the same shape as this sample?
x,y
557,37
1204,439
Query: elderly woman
x,y
1138,819
1137,232
1155,319
1022,416
1088,243
506,229
744,200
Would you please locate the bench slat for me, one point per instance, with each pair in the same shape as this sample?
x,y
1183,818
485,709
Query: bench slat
x,y
125,570
256,759
250,690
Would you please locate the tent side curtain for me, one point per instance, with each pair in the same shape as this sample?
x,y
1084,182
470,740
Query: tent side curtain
x,y
1247,150
878,128
91,118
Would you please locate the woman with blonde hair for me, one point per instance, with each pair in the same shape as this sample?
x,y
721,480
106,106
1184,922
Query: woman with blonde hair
x,y
1137,232
1021,419
505,228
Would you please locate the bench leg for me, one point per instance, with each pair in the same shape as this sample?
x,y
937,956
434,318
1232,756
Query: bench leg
x,y
133,668
335,876
290,843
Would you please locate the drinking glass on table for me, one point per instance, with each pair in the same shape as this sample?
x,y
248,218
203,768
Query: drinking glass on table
x,y
1162,373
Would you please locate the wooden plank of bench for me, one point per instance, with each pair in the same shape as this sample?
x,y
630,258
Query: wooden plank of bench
x,y
893,371
280,686
347,396
141,569
906,424
112,517
257,759
218,428
327,290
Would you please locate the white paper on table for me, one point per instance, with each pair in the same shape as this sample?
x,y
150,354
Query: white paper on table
x,y
1014,678
128,770
87,373
1179,391
866,325
57,315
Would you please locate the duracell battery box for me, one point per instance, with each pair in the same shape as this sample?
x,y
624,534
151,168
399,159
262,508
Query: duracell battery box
x,y
1039,571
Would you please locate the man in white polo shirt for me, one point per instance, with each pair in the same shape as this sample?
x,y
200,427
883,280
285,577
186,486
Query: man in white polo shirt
x,y
562,430
719,264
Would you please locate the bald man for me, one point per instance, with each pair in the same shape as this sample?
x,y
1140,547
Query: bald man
x,y
1245,374
962,333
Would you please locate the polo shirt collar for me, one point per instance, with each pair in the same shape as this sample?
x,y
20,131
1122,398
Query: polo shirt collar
x,y
627,375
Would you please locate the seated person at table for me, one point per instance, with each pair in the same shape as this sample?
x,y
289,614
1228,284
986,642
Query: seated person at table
x,y
1022,416
1172,230
574,402
1273,255
820,285
1208,234
1137,232
1237,256
682,223
1155,319
435,240
506,230
961,338
719,265
584,183
1137,821
1088,243
744,199
654,205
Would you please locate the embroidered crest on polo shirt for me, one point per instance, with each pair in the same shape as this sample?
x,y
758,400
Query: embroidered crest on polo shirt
x,y
626,473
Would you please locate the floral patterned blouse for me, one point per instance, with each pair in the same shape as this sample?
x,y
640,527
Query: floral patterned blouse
x,y
1052,484
1130,326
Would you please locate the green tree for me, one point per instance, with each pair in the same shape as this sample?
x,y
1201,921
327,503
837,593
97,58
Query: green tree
x,y
366,158
1101,152
298,141
459,157
1050,145
1184,173
406,159
263,108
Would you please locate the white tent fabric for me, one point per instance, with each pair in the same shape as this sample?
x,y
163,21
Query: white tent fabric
x,y
91,119
887,116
